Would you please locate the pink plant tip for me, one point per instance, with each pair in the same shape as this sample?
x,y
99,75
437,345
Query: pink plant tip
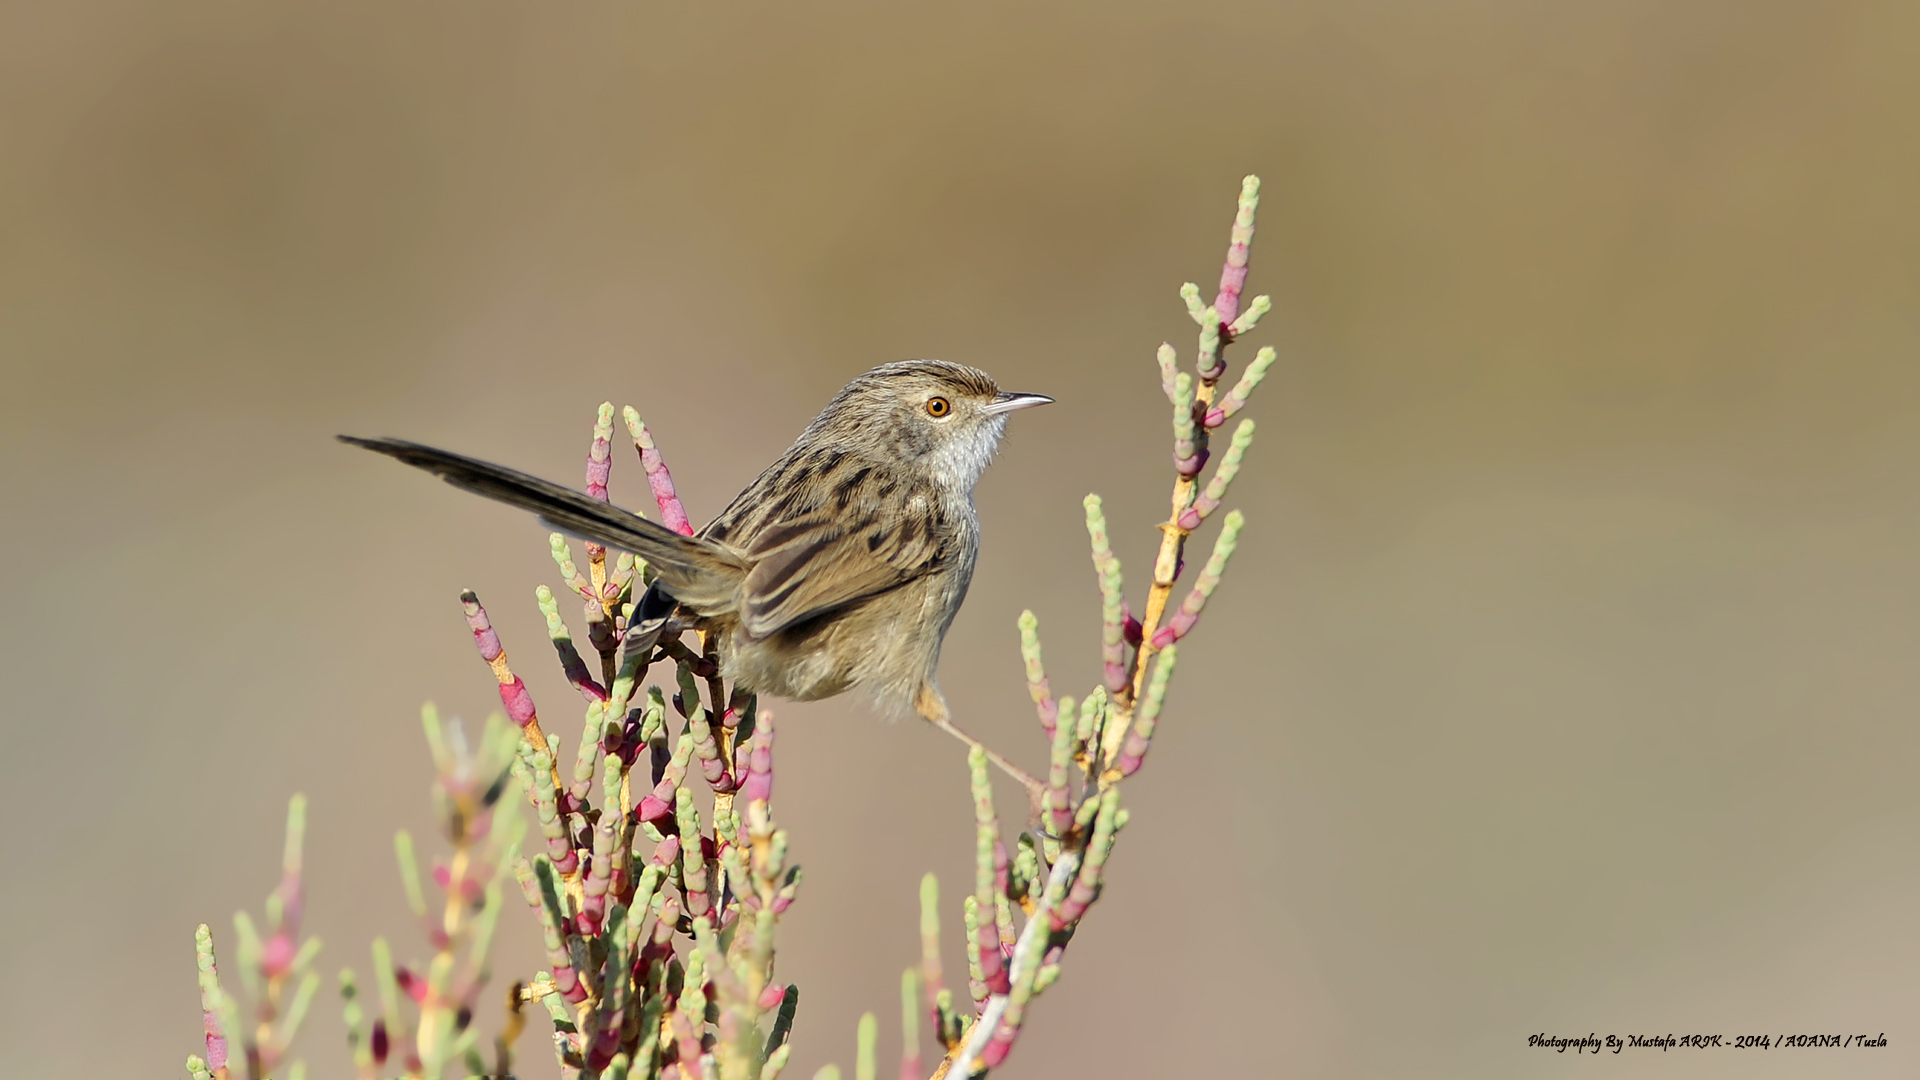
x,y
1175,629
599,468
771,997
758,786
1049,716
484,637
653,810
277,957
410,984
659,479
1233,275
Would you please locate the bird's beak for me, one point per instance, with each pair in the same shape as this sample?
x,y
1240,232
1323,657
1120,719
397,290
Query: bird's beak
x,y
1006,403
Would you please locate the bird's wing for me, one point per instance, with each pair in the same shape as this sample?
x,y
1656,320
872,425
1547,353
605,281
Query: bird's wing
x,y
812,563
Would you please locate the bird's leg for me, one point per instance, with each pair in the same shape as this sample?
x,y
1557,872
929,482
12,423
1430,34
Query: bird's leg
x,y
933,707
1036,791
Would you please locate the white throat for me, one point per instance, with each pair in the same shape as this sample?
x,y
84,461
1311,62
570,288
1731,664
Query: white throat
x,y
957,465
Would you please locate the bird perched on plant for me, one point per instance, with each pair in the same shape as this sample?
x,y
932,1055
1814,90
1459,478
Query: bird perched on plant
x,y
839,568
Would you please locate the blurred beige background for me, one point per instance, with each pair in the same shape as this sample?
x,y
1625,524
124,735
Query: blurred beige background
x,y
1567,678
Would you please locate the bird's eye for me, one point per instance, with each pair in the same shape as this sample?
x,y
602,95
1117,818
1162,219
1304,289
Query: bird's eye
x,y
938,407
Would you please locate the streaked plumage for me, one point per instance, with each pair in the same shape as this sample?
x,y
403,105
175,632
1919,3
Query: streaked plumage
x,y
840,567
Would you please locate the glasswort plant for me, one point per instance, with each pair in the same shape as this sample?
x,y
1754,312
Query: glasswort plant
x,y
659,913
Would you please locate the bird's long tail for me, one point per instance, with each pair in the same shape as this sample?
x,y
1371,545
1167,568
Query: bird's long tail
x,y
698,573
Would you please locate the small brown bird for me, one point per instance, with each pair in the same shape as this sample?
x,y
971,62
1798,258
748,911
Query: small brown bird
x,y
839,568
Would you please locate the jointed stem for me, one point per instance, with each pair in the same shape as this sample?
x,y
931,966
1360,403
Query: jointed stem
x,y
1166,564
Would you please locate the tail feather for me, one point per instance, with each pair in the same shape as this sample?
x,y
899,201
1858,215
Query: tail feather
x,y
697,572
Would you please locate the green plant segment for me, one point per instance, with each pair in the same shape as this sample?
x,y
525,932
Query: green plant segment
x,y
1052,876
424,1022
248,1035
654,871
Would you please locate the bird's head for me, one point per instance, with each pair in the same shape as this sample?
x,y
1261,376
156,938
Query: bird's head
x,y
944,418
